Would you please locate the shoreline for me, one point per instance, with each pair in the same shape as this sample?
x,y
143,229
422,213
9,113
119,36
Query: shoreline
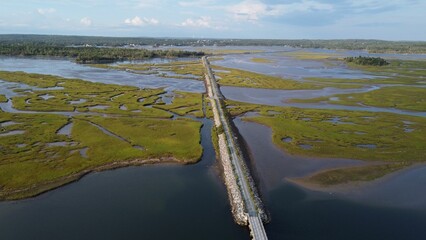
x,y
36,190
351,186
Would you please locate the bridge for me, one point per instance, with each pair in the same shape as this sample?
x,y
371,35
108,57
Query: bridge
x,y
240,171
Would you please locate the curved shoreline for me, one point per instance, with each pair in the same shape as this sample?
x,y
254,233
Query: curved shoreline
x,y
36,190
345,187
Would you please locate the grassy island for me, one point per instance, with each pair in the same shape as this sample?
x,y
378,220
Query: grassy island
x,y
241,78
191,69
71,127
367,61
388,142
409,95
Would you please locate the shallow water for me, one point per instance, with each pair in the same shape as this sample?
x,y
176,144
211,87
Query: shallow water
x,y
11,133
289,67
280,97
81,100
67,69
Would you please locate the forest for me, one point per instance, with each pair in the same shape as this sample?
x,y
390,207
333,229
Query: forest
x,y
369,61
372,46
88,54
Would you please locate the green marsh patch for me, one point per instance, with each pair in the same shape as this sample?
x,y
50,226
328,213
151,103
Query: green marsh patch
x,y
180,69
261,60
37,156
3,98
390,141
405,98
241,78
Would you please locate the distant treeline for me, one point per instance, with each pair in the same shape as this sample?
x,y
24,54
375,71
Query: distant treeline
x,y
89,54
370,61
372,46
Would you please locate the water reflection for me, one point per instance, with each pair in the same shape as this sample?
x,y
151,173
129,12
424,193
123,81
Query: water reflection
x,y
281,97
148,202
67,69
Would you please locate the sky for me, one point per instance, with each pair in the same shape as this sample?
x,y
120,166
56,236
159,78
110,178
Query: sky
x,y
260,19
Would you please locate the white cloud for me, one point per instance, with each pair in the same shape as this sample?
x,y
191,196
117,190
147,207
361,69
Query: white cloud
x,y
137,21
203,22
199,3
44,11
253,10
86,21
368,5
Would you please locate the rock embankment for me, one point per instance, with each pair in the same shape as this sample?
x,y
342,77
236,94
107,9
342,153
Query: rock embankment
x,y
233,181
235,197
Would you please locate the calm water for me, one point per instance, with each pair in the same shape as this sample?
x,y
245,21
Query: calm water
x,y
67,69
280,98
392,209
289,67
190,202
148,202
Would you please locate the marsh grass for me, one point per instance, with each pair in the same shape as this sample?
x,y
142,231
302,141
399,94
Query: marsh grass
x,y
303,55
411,96
347,175
261,60
395,147
242,78
29,164
3,98
185,103
184,69
405,98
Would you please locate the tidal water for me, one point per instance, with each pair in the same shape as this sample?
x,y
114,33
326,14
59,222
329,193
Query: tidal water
x,y
147,202
67,69
391,209
190,202
275,97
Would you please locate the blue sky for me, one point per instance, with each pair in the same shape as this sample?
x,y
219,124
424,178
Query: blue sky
x,y
285,19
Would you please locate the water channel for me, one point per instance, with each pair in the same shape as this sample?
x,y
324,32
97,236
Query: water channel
x,y
190,202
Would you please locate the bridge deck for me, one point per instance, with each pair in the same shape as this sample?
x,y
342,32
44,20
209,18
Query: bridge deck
x,y
257,230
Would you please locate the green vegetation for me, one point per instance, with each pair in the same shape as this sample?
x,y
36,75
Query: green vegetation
x,y
211,51
35,158
185,103
181,69
302,55
347,175
394,141
397,69
367,61
89,54
111,97
377,46
344,138
242,78
409,97
3,98
215,140
261,60
405,98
